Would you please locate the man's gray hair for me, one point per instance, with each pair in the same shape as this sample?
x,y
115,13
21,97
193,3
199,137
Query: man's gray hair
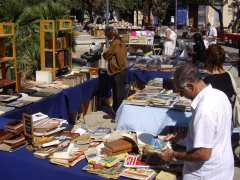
x,y
186,73
111,29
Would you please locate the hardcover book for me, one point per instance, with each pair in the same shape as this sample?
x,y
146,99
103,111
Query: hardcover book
x,y
141,174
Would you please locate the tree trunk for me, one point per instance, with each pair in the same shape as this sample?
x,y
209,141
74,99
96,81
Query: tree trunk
x,y
220,15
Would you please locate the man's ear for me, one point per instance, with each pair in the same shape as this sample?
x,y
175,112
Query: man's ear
x,y
190,86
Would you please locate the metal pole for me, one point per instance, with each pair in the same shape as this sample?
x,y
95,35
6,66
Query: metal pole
x,y
137,11
107,21
176,4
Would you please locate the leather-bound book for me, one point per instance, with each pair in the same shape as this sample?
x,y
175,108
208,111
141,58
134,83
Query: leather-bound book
x,y
5,135
118,145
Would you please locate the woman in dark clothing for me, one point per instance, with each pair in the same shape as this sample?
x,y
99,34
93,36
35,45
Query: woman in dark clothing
x,y
217,77
199,50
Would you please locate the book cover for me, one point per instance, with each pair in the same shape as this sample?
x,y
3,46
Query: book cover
x,y
141,174
135,161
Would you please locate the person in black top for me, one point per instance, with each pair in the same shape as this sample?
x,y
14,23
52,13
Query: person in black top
x,y
199,50
217,77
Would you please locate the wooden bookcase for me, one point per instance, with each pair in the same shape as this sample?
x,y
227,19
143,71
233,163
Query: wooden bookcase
x,y
56,46
8,57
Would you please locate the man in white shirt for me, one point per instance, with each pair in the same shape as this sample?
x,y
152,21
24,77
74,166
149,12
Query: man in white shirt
x,y
209,153
211,34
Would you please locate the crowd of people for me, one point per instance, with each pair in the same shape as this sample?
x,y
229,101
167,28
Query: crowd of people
x,y
208,152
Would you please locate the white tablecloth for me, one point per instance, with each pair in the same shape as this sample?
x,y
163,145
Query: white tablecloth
x,y
149,119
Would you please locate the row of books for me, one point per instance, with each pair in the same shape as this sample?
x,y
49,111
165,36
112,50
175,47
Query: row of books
x,y
67,148
61,42
154,95
125,159
62,59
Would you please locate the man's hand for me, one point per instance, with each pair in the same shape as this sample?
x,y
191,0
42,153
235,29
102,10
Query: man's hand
x,y
167,155
170,137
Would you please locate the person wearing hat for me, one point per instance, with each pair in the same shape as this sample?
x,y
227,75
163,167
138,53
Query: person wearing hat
x,y
116,56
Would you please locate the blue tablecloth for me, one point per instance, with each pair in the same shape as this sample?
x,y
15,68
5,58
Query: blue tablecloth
x,y
80,94
60,104
149,119
22,165
54,106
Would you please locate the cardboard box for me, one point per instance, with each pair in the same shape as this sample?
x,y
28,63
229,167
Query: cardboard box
x,y
44,77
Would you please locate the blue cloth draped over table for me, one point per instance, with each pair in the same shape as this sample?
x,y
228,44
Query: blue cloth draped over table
x,y
149,119
137,75
75,96
60,104
54,106
22,164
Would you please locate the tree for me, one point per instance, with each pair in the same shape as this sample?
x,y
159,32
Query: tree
x,y
159,8
235,5
26,15
217,5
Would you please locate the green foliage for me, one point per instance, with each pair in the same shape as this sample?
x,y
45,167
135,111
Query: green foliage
x,y
159,8
10,10
26,15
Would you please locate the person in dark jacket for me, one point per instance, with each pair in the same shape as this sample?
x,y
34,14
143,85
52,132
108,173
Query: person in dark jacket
x,y
199,50
116,56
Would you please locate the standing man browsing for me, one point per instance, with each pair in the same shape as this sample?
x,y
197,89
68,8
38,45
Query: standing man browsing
x,y
209,153
116,56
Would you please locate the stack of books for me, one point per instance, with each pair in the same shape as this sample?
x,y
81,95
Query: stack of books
x,y
117,147
108,173
15,127
19,103
13,143
100,133
141,174
67,157
47,126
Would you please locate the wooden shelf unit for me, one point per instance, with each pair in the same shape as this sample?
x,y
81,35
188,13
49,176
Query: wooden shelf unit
x,y
8,34
50,42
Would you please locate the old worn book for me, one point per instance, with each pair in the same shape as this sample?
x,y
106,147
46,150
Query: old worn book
x,y
141,174
108,173
109,152
67,163
7,98
66,159
15,127
163,175
19,103
118,145
13,143
5,135
4,109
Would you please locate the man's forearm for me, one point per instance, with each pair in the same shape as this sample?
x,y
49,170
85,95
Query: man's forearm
x,y
195,155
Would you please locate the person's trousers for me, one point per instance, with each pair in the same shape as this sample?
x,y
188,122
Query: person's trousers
x,y
119,88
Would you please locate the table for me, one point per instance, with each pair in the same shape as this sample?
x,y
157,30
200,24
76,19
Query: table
x,y
22,164
134,75
149,119
60,105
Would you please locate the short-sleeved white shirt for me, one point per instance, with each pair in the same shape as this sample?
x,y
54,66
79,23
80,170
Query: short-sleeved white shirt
x,y
170,45
210,128
212,33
